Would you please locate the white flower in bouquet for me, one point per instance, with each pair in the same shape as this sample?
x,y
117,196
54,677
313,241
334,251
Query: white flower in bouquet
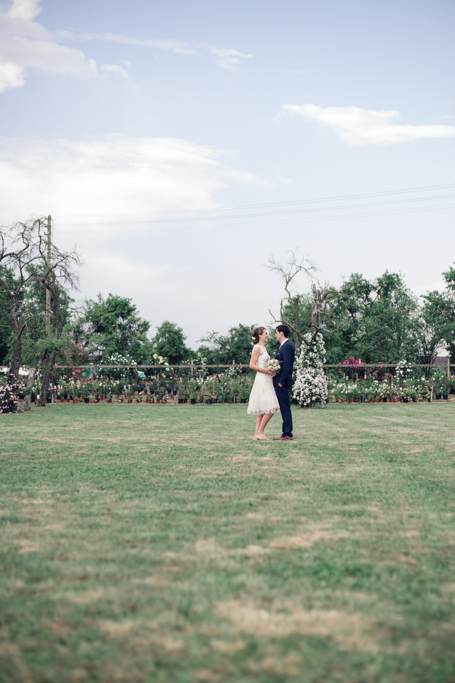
x,y
274,365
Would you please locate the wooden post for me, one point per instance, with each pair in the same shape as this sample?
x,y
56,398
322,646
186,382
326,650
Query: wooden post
x,y
48,265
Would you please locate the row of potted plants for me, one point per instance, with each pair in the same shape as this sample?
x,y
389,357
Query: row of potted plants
x,y
410,389
223,388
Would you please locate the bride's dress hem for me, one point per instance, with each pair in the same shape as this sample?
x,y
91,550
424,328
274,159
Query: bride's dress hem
x,y
263,412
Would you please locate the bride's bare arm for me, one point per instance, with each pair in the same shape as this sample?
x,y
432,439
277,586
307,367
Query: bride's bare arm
x,y
253,363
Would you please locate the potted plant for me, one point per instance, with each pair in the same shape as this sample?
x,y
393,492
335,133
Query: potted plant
x,y
351,392
192,392
206,394
244,390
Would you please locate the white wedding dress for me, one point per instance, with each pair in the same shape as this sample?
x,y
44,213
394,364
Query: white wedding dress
x,y
263,398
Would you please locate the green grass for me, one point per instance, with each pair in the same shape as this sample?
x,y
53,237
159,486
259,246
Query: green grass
x,y
148,543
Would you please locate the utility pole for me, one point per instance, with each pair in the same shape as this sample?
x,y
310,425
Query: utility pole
x,y
48,265
316,309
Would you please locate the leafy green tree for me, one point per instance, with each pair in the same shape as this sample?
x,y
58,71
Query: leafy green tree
x,y
6,332
434,326
112,325
169,341
437,320
27,260
223,349
19,255
35,332
374,320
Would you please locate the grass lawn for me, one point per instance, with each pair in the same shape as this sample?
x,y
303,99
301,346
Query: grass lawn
x,y
161,544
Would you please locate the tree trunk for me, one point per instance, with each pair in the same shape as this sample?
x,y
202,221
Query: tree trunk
x,y
50,357
28,389
47,364
297,335
315,310
16,358
46,379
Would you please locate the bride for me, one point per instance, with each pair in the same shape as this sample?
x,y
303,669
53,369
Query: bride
x,y
263,401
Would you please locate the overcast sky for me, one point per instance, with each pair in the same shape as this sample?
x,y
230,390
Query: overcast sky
x,y
180,143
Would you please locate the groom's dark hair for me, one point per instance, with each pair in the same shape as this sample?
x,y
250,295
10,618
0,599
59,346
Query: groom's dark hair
x,y
284,329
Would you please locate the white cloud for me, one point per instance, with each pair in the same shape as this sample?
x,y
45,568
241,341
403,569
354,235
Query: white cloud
x,y
114,68
26,44
356,126
11,76
114,175
25,9
179,47
226,58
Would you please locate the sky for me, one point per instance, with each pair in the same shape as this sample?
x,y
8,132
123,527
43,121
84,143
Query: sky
x,y
180,144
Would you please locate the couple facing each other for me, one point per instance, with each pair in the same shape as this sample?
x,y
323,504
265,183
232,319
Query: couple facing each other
x,y
270,392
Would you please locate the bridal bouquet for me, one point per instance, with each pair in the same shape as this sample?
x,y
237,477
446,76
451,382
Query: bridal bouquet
x,y
273,365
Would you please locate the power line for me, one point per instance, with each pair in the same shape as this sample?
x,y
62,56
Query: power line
x,y
266,224
269,214
271,204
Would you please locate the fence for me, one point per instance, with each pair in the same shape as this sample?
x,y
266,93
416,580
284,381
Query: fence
x,y
192,367
93,369
367,366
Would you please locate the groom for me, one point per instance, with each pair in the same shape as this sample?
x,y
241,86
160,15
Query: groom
x,y
283,379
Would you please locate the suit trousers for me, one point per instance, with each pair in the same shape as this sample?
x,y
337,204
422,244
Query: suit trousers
x,y
282,394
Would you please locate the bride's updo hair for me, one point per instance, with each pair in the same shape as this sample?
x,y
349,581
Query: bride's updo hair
x,y
255,334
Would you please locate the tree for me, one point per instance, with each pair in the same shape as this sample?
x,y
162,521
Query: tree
x,y
56,276
26,259
6,335
290,305
376,320
448,331
35,332
223,349
436,327
112,325
169,341
18,254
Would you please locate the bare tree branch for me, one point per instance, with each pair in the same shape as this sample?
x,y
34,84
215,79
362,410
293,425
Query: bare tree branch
x,y
288,271
23,254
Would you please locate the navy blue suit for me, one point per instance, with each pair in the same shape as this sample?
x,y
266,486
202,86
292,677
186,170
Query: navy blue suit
x,y
285,355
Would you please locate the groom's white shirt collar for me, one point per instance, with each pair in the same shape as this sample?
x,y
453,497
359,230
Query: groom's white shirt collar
x,y
283,342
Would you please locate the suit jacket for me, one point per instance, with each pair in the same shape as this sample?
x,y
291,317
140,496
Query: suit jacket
x,y
285,355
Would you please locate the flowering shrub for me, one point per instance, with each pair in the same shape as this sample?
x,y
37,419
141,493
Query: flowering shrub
x,y
156,359
72,353
310,385
118,359
352,361
10,388
119,373
376,382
